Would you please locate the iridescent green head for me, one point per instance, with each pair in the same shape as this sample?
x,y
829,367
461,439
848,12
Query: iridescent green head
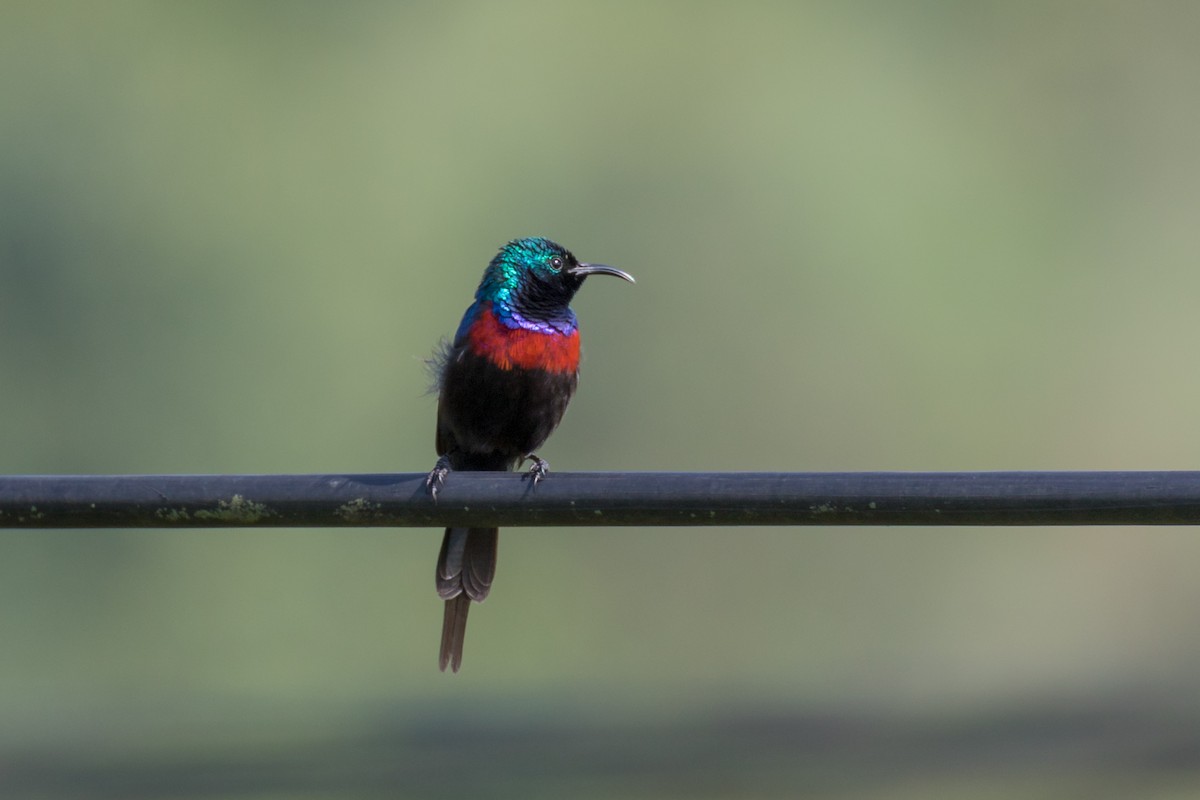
x,y
532,281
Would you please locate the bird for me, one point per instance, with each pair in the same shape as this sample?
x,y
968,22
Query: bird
x,y
503,385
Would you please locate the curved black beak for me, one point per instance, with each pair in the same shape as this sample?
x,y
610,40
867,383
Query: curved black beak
x,y
583,270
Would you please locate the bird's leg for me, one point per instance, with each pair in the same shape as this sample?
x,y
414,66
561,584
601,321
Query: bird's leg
x,y
437,475
540,468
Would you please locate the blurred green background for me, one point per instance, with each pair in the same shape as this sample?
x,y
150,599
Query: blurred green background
x,y
867,236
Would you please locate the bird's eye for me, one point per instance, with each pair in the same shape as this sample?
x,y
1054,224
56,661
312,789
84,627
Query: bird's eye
x,y
556,263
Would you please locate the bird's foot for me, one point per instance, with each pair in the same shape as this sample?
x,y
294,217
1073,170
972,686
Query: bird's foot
x,y
437,476
539,470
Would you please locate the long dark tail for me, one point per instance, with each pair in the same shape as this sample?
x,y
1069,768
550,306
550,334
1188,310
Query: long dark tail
x,y
465,568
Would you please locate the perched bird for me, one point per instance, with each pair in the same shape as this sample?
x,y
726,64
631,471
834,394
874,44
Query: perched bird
x,y
503,385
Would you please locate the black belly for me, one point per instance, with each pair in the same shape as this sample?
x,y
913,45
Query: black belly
x,y
489,418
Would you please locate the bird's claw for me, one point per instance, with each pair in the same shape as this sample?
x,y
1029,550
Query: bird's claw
x,y
539,470
437,476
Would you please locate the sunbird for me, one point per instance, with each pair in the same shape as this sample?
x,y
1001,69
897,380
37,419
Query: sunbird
x,y
503,385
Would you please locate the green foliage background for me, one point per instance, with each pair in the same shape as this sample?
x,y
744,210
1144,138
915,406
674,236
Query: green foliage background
x,y
867,236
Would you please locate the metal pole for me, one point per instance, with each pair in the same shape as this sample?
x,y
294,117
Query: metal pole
x,y
600,499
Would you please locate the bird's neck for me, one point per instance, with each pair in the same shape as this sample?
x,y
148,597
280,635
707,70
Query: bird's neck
x,y
558,320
